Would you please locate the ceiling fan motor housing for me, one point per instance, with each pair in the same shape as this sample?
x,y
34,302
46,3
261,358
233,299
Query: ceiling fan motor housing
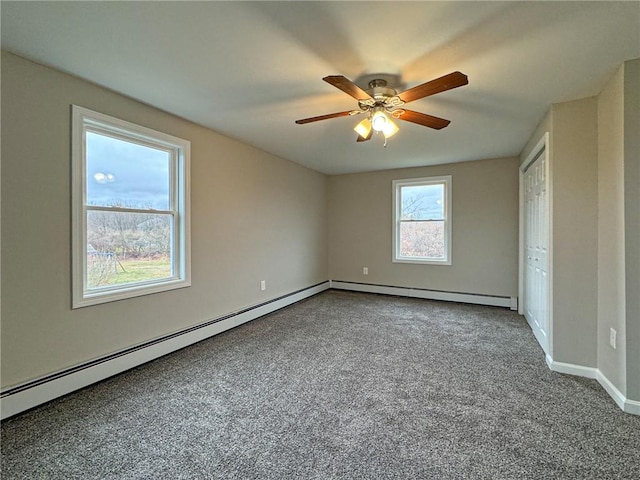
x,y
379,90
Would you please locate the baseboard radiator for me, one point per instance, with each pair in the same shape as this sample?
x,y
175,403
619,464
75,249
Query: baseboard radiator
x,y
20,398
478,299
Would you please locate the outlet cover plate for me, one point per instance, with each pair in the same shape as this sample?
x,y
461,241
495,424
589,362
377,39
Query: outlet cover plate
x,y
612,338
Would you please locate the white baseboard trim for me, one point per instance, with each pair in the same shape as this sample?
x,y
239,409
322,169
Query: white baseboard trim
x,y
571,369
477,299
22,397
629,406
611,389
632,407
626,405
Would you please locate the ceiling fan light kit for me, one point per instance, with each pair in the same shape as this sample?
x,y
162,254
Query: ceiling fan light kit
x,y
390,128
363,128
378,121
381,103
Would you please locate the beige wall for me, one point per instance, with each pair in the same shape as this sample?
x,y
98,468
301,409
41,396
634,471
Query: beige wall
x,y
632,223
611,269
575,221
619,229
254,217
572,128
484,229
595,179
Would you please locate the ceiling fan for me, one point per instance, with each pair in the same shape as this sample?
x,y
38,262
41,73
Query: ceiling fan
x,y
380,102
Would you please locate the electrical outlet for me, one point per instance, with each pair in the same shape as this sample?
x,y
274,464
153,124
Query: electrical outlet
x,y
263,285
612,338
365,270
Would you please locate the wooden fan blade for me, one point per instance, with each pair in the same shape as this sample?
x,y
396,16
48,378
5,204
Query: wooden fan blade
x,y
347,86
364,139
323,117
424,119
442,84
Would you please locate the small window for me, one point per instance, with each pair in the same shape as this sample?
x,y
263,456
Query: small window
x,y
422,220
130,209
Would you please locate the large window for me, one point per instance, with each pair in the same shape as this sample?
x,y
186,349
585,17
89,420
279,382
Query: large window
x,y
130,209
422,220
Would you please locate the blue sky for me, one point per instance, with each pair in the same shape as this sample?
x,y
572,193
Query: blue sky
x,y
126,173
422,202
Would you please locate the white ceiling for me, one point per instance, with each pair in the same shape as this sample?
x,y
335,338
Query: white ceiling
x,y
249,69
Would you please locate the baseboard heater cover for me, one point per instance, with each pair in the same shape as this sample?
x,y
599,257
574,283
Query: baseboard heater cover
x,y
20,398
478,299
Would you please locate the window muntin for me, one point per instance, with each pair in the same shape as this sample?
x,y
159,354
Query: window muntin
x,y
130,210
422,220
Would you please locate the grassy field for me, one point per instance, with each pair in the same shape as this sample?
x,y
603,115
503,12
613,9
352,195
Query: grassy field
x,y
140,269
106,270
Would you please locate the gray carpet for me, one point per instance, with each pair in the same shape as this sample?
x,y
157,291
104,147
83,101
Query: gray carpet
x,y
339,386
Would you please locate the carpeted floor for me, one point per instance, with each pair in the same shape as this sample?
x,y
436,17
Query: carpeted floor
x,y
339,386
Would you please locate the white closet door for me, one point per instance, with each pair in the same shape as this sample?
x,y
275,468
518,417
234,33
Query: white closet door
x,y
536,249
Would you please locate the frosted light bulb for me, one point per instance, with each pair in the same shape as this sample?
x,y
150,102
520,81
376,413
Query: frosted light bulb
x,y
379,121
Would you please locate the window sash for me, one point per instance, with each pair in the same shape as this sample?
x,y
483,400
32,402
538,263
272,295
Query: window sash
x,y
83,121
173,151
398,186
174,273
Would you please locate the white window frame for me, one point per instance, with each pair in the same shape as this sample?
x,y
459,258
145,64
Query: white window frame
x,y
397,205
84,120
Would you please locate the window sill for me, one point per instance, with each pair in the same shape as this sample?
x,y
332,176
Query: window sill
x,y
96,298
419,261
